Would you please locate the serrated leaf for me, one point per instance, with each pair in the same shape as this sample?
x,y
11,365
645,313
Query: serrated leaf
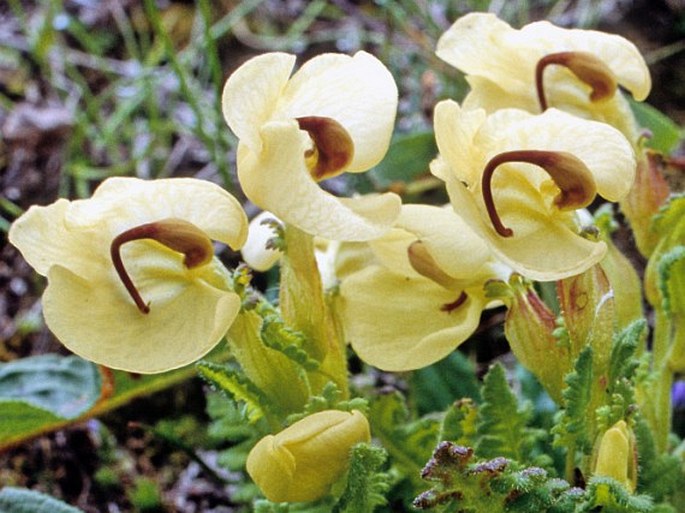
x,y
573,427
660,475
236,386
613,497
367,484
20,500
276,335
671,269
64,386
435,387
408,442
501,422
463,483
460,423
665,132
622,361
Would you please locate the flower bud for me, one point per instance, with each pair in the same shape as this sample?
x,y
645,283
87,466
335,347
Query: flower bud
x,y
646,197
530,329
302,462
616,457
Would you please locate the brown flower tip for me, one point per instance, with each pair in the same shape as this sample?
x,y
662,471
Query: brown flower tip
x,y
586,66
176,234
575,181
333,147
451,307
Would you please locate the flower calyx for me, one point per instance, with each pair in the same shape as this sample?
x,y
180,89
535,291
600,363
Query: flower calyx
x,y
573,178
176,234
332,150
586,67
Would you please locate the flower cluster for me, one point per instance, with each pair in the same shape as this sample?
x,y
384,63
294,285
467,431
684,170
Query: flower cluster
x,y
133,282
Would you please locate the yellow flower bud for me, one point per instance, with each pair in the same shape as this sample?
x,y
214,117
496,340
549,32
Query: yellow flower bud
x,y
616,455
302,462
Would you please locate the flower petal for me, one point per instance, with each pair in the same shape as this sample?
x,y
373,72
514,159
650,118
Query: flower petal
x,y
542,248
603,149
481,44
277,180
396,323
619,54
93,320
455,131
123,202
44,240
456,248
251,94
358,92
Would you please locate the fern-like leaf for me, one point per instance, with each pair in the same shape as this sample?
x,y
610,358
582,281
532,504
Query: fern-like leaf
x,y
572,427
367,484
502,423
236,386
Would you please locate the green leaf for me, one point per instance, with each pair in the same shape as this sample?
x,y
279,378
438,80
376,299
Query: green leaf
x,y
64,386
21,420
502,424
407,159
660,475
613,497
572,428
236,386
435,387
463,483
666,134
408,442
459,423
276,335
330,399
671,281
20,500
367,484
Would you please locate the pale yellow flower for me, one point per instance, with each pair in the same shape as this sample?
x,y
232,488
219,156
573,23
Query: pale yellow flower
x,y
424,294
132,280
334,115
574,70
302,462
517,179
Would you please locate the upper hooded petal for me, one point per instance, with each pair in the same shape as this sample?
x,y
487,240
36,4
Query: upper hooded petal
x,y
277,180
603,149
121,203
481,44
251,94
358,92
